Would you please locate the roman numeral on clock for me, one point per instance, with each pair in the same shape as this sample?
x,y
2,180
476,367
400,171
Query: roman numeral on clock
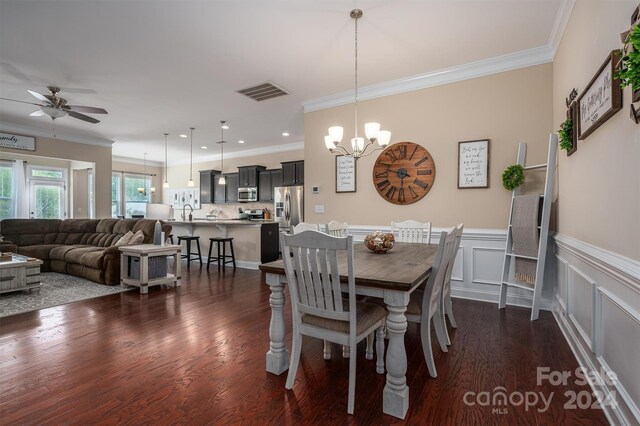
x,y
401,195
414,151
383,174
421,184
414,194
402,149
424,172
392,155
421,161
391,192
382,185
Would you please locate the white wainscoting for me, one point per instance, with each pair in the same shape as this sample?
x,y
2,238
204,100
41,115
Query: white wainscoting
x,y
476,272
597,305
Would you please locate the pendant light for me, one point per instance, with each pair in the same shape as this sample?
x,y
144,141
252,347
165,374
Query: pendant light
x,y
372,130
166,182
143,189
222,180
190,184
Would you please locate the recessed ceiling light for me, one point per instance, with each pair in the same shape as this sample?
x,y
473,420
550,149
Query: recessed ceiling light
x,y
203,147
240,141
183,136
285,134
224,126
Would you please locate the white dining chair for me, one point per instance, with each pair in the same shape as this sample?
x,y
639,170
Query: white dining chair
x,y
336,229
318,308
447,306
411,231
425,305
304,226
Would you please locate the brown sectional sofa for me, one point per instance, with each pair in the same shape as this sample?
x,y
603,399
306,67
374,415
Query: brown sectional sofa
x,y
81,247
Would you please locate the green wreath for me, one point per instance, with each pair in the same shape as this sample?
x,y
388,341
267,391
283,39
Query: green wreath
x,y
566,135
512,177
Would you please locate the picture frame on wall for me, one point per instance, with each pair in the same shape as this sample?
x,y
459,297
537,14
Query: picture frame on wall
x,y
601,99
345,174
572,113
473,164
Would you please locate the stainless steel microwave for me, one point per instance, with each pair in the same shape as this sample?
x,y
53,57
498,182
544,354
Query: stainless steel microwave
x,y
247,195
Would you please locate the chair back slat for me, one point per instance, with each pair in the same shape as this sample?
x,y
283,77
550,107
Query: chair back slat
x,y
312,271
304,226
438,272
458,238
411,231
336,229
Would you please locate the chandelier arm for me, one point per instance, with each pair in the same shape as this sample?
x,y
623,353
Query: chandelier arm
x,y
372,151
344,150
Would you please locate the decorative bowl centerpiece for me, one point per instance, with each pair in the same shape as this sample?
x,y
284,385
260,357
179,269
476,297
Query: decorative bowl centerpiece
x,y
379,242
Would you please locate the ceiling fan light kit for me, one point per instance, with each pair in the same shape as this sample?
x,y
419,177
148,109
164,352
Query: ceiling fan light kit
x,y
372,130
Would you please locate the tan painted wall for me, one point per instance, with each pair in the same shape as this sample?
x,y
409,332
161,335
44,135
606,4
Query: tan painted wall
x,y
600,183
507,108
99,155
80,194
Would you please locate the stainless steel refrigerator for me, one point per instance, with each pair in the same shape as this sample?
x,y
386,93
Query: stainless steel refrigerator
x,y
289,206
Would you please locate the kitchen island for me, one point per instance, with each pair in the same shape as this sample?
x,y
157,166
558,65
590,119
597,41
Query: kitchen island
x,y
254,241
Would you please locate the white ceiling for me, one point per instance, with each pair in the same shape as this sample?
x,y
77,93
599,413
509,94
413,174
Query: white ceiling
x,y
161,66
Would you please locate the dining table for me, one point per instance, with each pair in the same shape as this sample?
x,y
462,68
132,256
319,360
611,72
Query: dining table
x,y
391,276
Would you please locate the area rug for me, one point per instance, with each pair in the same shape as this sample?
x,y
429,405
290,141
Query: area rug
x,y
57,289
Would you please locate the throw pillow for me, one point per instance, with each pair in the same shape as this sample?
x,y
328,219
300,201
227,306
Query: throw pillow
x,y
124,240
137,238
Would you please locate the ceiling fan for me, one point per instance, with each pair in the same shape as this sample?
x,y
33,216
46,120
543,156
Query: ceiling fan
x,y
55,106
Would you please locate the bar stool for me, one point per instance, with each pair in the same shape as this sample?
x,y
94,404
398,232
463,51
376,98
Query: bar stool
x,y
171,238
222,257
189,239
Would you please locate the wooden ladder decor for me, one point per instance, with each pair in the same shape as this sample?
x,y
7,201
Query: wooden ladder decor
x,y
508,266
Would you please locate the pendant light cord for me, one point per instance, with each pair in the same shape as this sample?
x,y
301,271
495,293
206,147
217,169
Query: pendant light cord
x,y
191,161
165,157
356,77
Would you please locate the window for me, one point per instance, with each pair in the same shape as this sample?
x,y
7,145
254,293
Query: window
x,y
7,207
126,199
47,192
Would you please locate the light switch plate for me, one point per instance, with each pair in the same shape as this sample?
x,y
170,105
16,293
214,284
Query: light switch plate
x,y
319,208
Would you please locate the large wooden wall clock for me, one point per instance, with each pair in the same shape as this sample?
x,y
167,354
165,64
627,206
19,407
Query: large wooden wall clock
x,y
404,173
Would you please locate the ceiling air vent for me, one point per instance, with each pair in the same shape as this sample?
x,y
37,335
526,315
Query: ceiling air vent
x,y
262,92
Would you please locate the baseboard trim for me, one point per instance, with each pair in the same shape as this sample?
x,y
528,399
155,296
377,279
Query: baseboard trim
x,y
494,296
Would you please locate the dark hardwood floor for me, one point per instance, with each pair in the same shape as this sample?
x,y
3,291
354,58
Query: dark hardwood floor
x,y
196,355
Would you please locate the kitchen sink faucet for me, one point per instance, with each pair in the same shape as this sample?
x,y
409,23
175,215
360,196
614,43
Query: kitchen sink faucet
x,y
190,214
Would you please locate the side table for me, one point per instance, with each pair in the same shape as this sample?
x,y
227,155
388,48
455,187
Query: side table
x,y
143,252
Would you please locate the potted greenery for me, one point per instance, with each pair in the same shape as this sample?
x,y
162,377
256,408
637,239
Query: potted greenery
x,y
565,135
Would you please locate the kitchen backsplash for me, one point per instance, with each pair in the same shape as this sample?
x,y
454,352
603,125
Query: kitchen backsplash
x,y
225,211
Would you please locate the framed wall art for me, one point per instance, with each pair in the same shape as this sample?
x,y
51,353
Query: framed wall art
x,y
601,99
473,164
345,173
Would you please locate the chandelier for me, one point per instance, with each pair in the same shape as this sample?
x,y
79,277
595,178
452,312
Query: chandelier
x,y
372,130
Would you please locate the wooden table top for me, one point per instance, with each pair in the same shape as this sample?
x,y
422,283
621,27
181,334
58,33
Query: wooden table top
x,y
402,268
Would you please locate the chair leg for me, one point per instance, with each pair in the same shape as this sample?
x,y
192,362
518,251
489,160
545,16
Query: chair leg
x,y
327,350
380,350
352,379
425,337
209,256
199,254
369,353
449,310
296,347
233,255
188,254
438,324
346,353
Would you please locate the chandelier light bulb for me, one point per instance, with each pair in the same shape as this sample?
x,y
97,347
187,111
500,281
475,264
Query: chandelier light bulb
x,y
336,133
191,184
372,130
328,142
165,185
384,137
222,180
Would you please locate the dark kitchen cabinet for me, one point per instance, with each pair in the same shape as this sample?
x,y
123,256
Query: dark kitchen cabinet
x,y
248,176
268,179
219,191
207,185
231,189
293,173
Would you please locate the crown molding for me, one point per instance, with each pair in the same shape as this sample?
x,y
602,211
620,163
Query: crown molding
x,y
129,160
35,132
560,25
509,62
246,153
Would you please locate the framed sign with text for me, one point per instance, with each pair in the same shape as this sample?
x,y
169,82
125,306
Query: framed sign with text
x,y
8,140
601,99
473,164
345,173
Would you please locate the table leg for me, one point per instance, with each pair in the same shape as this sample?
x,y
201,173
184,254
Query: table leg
x,y
144,274
177,266
395,401
278,356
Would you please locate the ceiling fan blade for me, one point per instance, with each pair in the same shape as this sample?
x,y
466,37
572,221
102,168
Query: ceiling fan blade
x,y
88,109
39,96
15,73
37,113
22,102
83,117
